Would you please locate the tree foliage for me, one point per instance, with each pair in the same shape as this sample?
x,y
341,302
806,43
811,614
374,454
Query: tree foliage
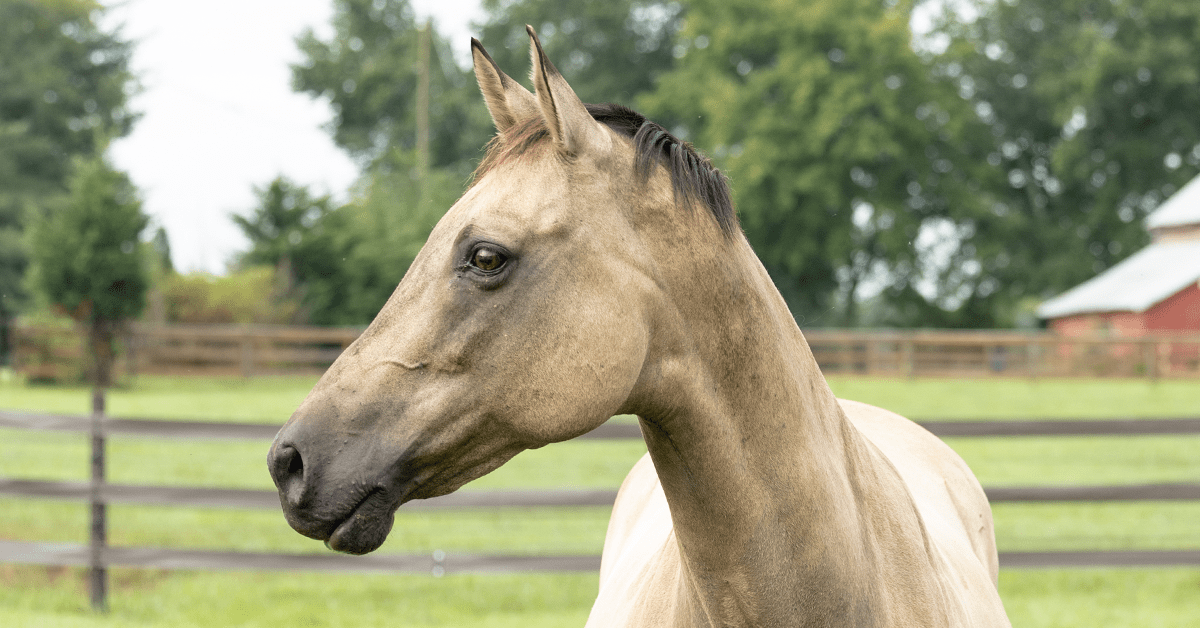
x,y
343,263
839,147
609,51
86,250
368,72
253,294
1006,156
1089,108
287,231
64,84
382,229
87,257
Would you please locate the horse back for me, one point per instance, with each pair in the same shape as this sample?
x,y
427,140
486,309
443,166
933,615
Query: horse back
x,y
953,508
948,497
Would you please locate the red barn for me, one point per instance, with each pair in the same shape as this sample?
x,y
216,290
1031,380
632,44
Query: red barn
x,y
1155,290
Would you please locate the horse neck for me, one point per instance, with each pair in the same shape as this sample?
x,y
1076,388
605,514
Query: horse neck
x,y
759,464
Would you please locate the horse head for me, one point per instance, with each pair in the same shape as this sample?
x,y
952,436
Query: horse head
x,y
524,320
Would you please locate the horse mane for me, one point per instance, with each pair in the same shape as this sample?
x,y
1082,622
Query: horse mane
x,y
694,179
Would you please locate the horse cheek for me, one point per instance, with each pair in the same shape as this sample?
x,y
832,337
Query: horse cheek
x,y
584,373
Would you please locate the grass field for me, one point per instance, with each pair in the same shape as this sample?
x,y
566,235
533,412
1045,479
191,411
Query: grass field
x,y
38,596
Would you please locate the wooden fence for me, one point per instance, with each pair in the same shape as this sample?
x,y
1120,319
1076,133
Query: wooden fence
x,y
56,352
43,352
1004,354
183,496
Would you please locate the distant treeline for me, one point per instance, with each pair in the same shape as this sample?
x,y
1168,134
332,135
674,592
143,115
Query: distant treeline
x,y
950,178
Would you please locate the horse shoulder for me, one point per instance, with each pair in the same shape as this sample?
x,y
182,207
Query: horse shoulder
x,y
950,501
639,569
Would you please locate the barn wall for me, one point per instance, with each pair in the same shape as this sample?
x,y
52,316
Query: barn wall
x,y
1179,312
1129,324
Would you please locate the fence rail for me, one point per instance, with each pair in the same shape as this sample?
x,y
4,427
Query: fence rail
x,y
465,500
47,352
1005,354
56,352
170,428
167,558
438,564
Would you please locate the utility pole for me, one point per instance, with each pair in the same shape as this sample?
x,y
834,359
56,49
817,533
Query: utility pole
x,y
423,99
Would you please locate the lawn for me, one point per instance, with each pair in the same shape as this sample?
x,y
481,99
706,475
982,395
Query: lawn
x,y
39,596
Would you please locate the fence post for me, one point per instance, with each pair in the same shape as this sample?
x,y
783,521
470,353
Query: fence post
x,y
1031,359
1150,358
908,353
247,353
99,574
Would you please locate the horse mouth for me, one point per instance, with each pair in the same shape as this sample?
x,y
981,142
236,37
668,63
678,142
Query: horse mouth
x,y
366,527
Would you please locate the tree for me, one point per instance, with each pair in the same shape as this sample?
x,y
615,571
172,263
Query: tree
x,y
247,295
343,263
369,73
63,84
609,51
1090,111
86,256
286,231
379,234
839,145
292,231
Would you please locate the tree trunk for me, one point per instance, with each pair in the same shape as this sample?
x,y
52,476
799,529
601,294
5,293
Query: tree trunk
x,y
101,341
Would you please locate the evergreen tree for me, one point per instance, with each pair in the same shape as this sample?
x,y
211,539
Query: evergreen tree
x,y
63,84
87,259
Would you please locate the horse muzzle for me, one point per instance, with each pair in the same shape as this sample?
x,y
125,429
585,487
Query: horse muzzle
x,y
324,498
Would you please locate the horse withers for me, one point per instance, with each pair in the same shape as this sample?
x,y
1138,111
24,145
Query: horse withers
x,y
595,267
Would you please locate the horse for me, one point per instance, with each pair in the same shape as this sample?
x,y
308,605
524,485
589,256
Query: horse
x,y
595,267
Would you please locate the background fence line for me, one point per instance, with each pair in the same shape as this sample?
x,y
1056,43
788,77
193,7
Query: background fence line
x,y
48,352
170,428
438,564
194,496
187,496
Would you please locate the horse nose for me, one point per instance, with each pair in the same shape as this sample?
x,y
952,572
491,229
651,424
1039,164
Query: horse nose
x,y
287,470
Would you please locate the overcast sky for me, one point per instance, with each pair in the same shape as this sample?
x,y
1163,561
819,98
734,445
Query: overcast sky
x,y
219,115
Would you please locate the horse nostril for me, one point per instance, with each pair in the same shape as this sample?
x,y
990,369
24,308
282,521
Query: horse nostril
x,y
287,469
296,465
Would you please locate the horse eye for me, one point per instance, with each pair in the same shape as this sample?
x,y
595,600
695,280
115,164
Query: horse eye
x,y
488,259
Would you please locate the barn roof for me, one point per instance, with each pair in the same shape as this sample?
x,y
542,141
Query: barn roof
x,y
1183,208
1141,281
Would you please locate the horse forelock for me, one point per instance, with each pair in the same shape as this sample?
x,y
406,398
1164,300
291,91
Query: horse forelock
x,y
694,179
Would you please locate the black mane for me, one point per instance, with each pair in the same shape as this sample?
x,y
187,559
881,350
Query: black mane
x,y
693,177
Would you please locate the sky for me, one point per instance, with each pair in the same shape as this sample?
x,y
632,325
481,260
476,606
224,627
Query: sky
x,y
219,115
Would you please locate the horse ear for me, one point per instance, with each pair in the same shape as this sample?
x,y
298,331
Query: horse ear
x,y
567,119
507,101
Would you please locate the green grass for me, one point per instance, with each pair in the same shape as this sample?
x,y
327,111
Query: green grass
x,y
273,399
1097,526
1019,527
38,596
243,464
1023,398
1084,460
1112,598
232,399
504,531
